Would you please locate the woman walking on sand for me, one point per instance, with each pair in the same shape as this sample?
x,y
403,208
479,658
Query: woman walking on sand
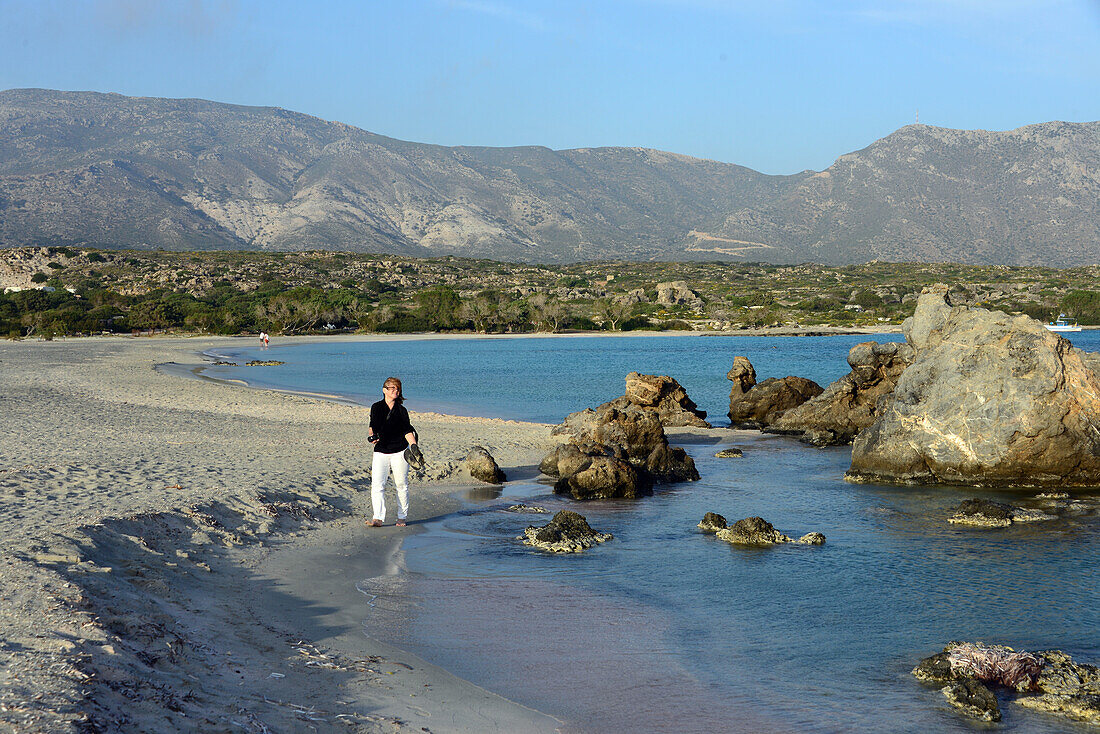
x,y
391,433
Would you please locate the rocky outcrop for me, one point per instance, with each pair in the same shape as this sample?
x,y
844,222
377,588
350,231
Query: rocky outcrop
x,y
989,399
678,293
729,454
613,452
567,532
850,404
754,405
264,363
1050,680
752,531
988,514
665,396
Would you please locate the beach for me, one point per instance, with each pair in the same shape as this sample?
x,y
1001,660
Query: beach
x,y
181,554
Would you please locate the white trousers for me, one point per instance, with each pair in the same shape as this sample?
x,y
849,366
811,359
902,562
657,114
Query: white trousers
x,y
380,468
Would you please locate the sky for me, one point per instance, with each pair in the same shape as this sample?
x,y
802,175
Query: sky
x,y
779,86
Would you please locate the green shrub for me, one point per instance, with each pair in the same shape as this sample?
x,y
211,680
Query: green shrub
x,y
39,278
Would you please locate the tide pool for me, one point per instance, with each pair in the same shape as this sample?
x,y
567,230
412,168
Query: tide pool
x,y
665,628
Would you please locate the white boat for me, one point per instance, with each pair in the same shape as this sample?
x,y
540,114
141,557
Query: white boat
x,y
1061,325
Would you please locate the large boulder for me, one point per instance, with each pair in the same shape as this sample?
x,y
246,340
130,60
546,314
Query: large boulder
x,y
753,531
758,405
615,452
483,467
850,404
989,399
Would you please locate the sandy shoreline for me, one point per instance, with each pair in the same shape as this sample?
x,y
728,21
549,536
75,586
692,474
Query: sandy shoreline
x,y
181,554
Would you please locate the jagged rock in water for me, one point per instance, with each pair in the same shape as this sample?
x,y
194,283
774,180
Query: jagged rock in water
x,y
567,532
483,467
264,363
1064,687
814,538
986,513
989,399
850,404
613,452
729,454
973,699
757,405
661,394
712,522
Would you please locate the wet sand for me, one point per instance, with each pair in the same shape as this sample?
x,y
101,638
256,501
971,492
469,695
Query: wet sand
x,y
182,554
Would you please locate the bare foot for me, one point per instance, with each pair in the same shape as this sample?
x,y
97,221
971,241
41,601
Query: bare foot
x,y
375,523
400,523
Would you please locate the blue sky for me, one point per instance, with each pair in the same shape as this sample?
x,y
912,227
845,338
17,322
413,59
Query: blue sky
x,y
778,86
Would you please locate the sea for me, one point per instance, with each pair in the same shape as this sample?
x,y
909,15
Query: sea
x,y
666,628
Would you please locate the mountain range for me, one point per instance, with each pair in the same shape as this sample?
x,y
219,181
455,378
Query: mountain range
x,y
184,174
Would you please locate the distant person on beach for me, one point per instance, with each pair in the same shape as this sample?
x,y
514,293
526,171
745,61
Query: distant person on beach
x,y
391,433
266,339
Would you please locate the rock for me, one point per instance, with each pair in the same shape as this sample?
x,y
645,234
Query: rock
x,y
678,293
850,404
983,513
666,396
712,522
264,363
483,467
770,399
1052,496
615,452
660,394
814,538
567,532
989,399
752,531
532,509
743,376
989,514
729,454
973,698
604,477
1063,686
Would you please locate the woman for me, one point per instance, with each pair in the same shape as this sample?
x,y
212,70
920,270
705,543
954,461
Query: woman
x,y
390,433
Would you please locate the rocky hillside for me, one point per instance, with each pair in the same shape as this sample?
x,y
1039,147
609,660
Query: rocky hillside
x,y
112,171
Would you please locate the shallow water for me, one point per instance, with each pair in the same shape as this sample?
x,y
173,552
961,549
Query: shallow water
x,y
668,629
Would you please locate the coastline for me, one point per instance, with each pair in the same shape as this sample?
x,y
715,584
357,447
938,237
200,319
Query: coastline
x,y
182,553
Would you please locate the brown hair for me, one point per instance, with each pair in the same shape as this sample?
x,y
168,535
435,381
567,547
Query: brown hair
x,y
400,395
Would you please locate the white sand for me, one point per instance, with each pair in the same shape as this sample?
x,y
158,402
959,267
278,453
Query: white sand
x,y
180,554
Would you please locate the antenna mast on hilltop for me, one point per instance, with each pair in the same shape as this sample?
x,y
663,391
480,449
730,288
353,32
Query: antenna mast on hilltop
x,y
918,116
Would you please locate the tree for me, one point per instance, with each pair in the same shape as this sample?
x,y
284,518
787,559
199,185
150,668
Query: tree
x,y
547,310
610,311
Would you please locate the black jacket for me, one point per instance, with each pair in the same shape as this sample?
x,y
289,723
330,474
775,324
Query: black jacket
x,y
390,426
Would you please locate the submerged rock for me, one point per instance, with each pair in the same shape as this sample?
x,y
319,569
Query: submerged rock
x,y
264,363
757,405
483,467
850,404
533,509
989,514
989,399
567,532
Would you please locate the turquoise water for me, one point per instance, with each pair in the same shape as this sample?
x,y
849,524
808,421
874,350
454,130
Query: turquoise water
x,y
667,629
